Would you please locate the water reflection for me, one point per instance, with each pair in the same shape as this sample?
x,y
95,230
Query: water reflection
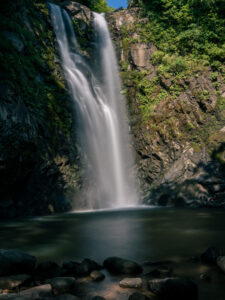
x,y
141,234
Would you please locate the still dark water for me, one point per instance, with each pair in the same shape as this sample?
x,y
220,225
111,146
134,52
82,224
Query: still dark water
x,y
141,234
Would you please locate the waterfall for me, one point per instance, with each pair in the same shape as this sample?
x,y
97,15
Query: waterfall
x,y
100,109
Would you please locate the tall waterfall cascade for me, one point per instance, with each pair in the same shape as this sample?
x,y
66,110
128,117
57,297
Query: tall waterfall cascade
x,y
100,109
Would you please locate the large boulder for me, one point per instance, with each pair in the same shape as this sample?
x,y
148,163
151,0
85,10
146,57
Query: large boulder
x,y
97,275
11,282
134,283
84,268
11,297
137,296
37,292
174,289
211,255
119,265
14,262
62,285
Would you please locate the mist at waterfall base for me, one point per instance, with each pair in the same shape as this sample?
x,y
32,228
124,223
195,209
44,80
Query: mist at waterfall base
x,y
101,122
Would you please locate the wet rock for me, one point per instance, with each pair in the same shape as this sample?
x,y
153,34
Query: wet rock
x,y
84,268
66,297
119,265
16,262
137,296
47,269
211,255
11,297
174,288
161,271
135,283
62,285
11,282
98,298
37,292
221,263
97,275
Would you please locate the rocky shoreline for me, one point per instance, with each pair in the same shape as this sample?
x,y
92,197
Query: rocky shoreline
x,y
21,278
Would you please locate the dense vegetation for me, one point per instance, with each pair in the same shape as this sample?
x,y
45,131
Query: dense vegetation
x,y
189,36
96,5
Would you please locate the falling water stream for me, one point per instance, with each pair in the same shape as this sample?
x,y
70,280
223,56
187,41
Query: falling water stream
x,y
100,109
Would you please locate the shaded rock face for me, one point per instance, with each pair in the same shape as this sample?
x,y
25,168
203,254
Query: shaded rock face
x,y
39,163
174,288
180,141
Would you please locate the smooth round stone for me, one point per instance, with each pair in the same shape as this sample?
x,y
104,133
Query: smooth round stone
x,y
119,265
61,285
97,276
135,283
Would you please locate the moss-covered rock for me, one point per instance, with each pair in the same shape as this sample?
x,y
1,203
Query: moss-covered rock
x,y
176,105
38,157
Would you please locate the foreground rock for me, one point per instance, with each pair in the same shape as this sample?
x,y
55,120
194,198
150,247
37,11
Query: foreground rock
x,y
37,292
47,269
211,255
97,276
84,268
174,289
11,282
16,262
62,285
11,297
131,283
137,296
119,265
62,297
221,263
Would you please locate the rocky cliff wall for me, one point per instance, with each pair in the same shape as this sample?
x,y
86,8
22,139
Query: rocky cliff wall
x,y
39,164
177,118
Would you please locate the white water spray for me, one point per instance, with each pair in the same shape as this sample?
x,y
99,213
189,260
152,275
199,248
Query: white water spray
x,y
102,130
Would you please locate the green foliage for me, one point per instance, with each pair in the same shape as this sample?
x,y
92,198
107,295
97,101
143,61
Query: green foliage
x,y
32,73
97,5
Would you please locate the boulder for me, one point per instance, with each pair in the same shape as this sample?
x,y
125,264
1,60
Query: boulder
x,y
47,269
66,297
135,283
137,296
84,268
160,271
211,255
174,289
97,275
61,285
119,265
37,292
11,297
62,297
11,282
14,262
221,263
98,298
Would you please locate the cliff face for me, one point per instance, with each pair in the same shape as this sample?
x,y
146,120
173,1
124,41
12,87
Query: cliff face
x,y
38,155
177,115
